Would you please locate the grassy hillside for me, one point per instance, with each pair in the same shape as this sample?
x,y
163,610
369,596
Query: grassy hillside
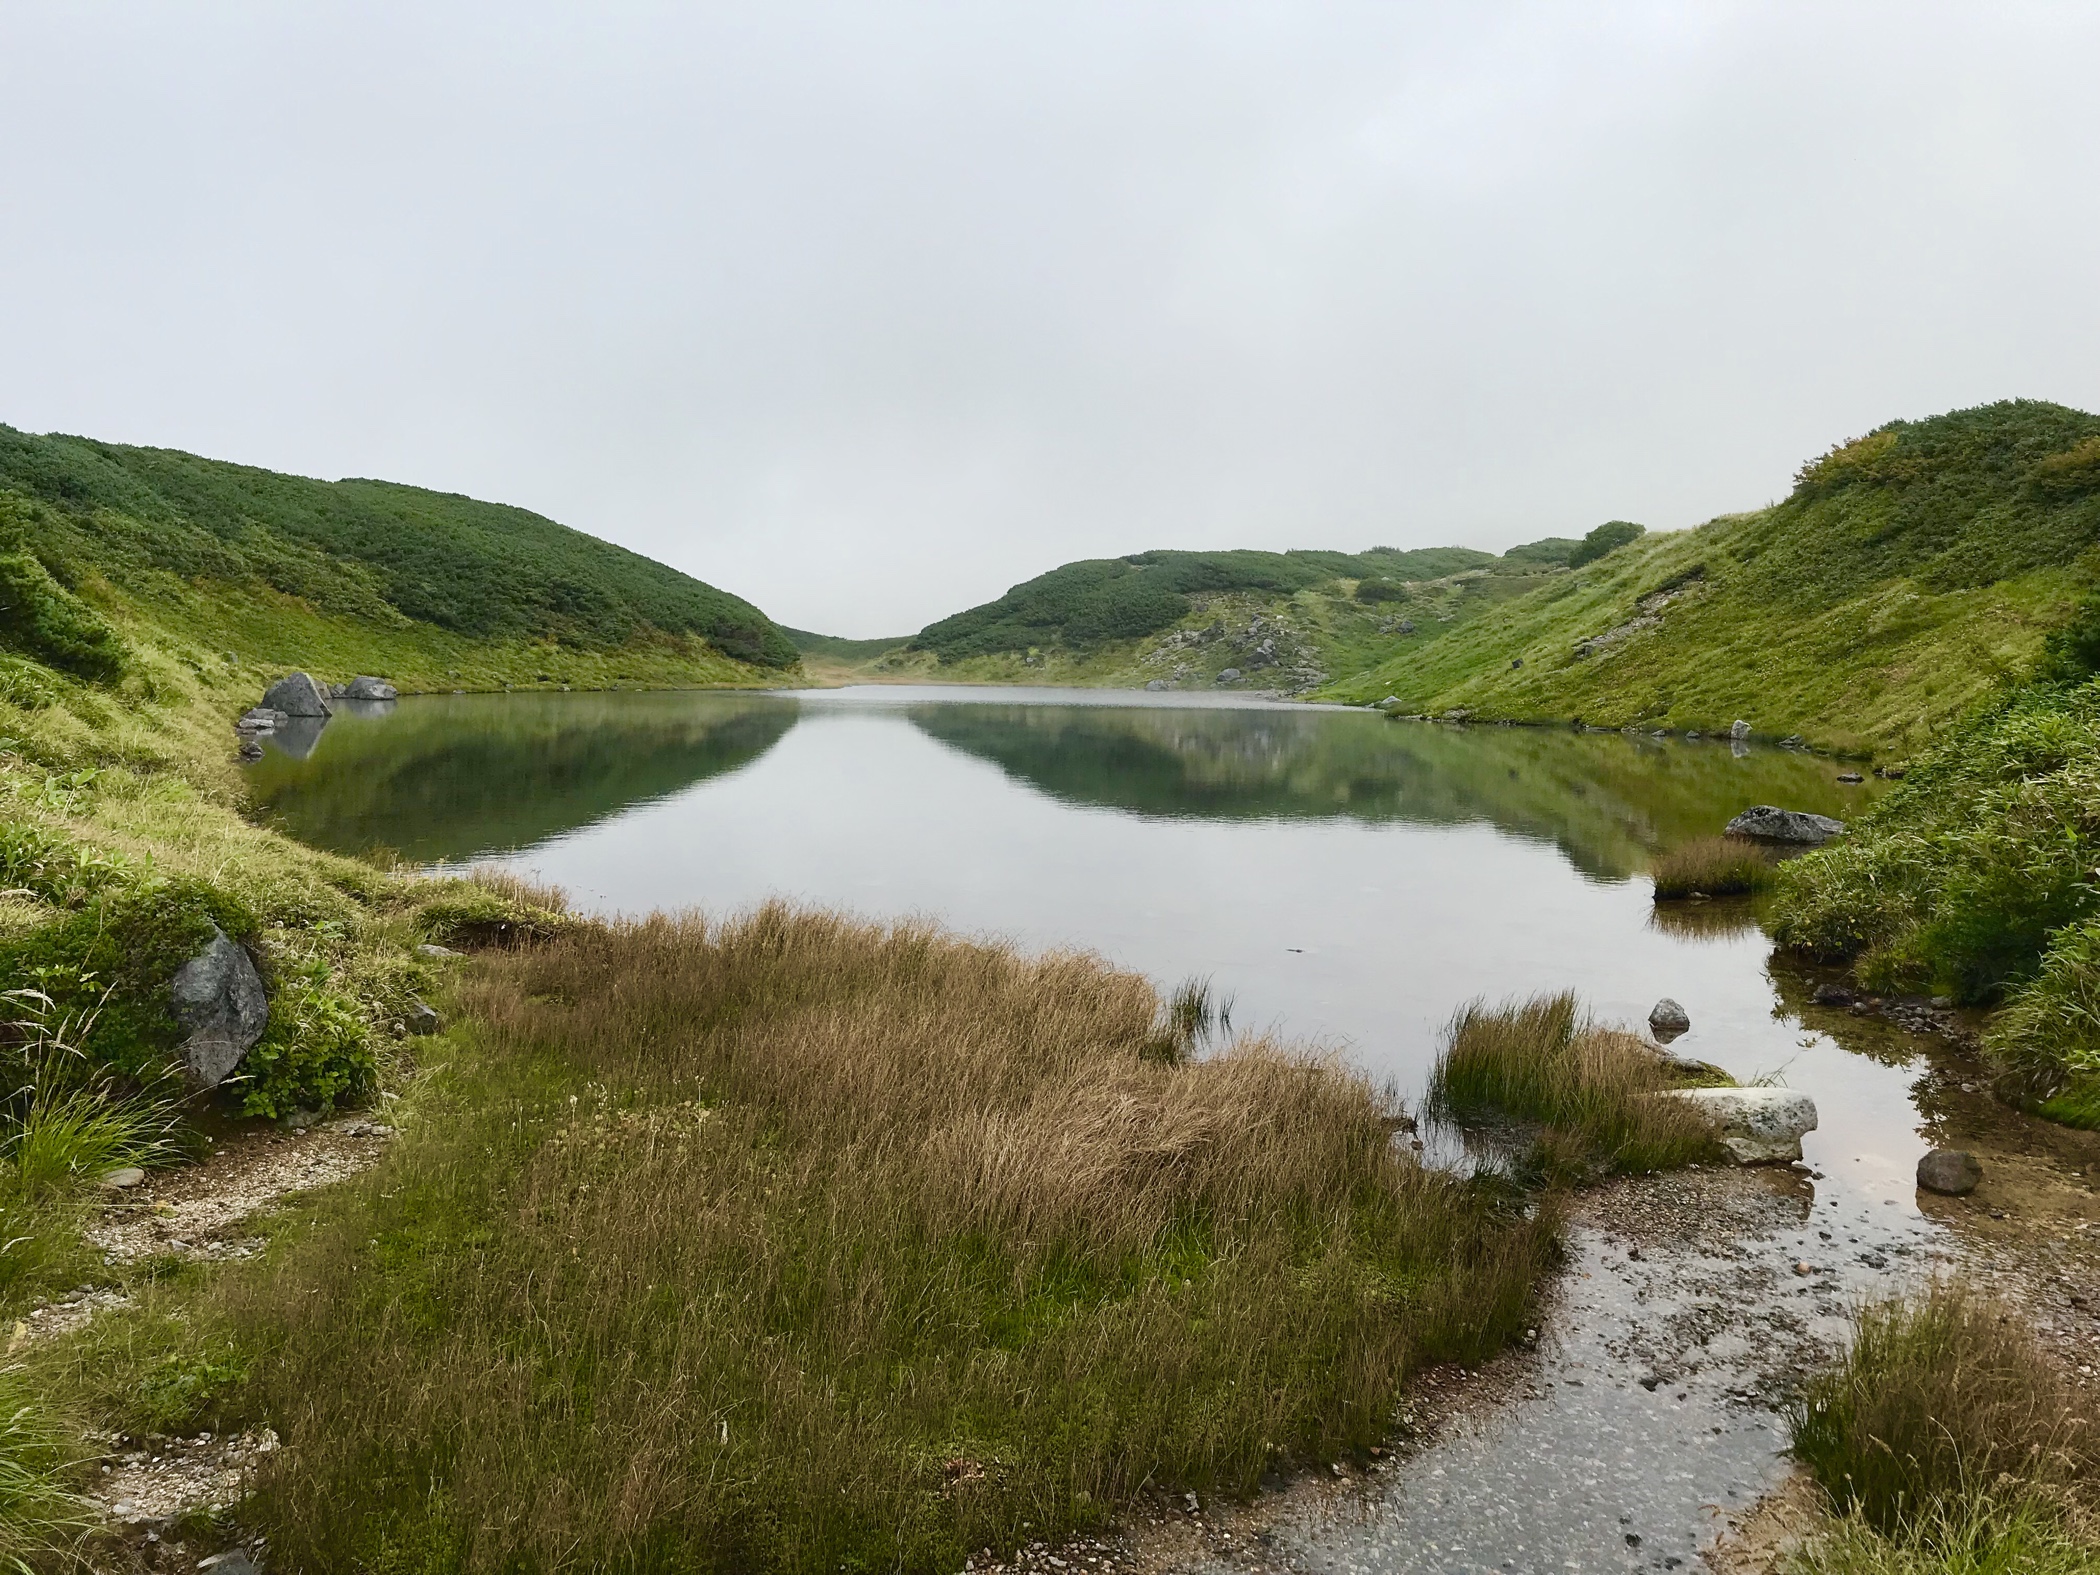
x,y
433,573
1277,620
1911,573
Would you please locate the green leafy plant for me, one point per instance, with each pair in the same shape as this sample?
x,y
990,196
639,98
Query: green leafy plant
x,y
42,619
315,1054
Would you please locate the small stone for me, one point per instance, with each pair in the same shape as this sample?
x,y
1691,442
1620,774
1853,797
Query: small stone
x,y
1667,1019
1739,730
1850,776
1804,1268
1953,1172
128,1176
429,951
1833,995
423,1018
1229,675
234,1561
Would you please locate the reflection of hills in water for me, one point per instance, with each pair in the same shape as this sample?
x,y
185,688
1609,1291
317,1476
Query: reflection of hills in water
x,y
448,777
1607,801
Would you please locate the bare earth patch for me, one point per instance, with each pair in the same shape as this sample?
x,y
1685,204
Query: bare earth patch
x,y
197,1211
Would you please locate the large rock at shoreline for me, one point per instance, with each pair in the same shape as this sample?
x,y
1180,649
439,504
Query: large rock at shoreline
x,y
1770,824
1951,1171
1666,1020
219,998
366,687
296,694
1758,1126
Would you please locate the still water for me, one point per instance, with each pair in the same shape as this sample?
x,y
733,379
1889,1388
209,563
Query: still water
x,y
1348,881
1345,879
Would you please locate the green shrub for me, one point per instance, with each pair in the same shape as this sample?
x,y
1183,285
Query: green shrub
x,y
1606,538
315,1055
1939,1399
1957,881
2049,1032
42,619
183,1389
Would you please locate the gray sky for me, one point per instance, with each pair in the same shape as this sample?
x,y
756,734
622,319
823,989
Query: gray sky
x,y
866,311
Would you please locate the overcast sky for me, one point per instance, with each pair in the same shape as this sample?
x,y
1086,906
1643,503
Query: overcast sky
x,y
867,311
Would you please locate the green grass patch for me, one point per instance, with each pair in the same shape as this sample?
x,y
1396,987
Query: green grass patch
x,y
1593,1089
1940,1400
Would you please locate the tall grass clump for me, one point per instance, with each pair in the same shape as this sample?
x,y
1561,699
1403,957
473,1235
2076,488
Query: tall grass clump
x,y
794,1243
1593,1088
1943,1403
1975,1535
40,1515
1712,867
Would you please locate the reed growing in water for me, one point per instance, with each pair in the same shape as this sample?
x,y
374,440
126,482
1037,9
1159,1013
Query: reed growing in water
x,y
795,1243
1593,1089
1712,867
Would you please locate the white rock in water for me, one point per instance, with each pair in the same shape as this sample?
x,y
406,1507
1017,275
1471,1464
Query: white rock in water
x,y
1758,1126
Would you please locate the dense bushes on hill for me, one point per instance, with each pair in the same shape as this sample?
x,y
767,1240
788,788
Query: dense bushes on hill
x,y
366,549
42,619
1098,600
1608,537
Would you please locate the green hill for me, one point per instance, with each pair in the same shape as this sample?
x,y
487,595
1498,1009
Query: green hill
x,y
165,528
1286,620
1910,574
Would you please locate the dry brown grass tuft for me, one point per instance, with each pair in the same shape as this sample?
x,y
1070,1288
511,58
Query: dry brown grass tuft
x,y
733,1239
1712,867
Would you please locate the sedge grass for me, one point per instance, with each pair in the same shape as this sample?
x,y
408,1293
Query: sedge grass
x,y
1942,1398
1592,1088
799,1244
1975,1534
1711,867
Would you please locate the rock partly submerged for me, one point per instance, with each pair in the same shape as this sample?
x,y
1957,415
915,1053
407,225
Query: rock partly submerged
x,y
366,687
1666,1020
1768,823
1758,1126
296,694
219,998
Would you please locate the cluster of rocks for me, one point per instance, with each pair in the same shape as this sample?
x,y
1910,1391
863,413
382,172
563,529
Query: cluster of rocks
x,y
1648,613
1915,1014
1265,644
296,697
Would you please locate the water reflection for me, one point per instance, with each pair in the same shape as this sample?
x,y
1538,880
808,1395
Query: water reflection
x,y
454,776
1607,801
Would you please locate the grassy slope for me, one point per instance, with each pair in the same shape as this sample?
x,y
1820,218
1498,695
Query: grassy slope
x,y
1910,575
1322,628
421,577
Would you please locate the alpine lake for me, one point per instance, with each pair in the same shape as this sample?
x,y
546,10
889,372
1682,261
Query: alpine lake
x,y
1347,882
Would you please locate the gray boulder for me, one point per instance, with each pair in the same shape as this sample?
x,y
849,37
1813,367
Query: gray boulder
x,y
366,687
1739,729
296,694
260,719
1667,1019
1758,1126
1770,824
423,1018
1953,1171
218,997
1230,675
